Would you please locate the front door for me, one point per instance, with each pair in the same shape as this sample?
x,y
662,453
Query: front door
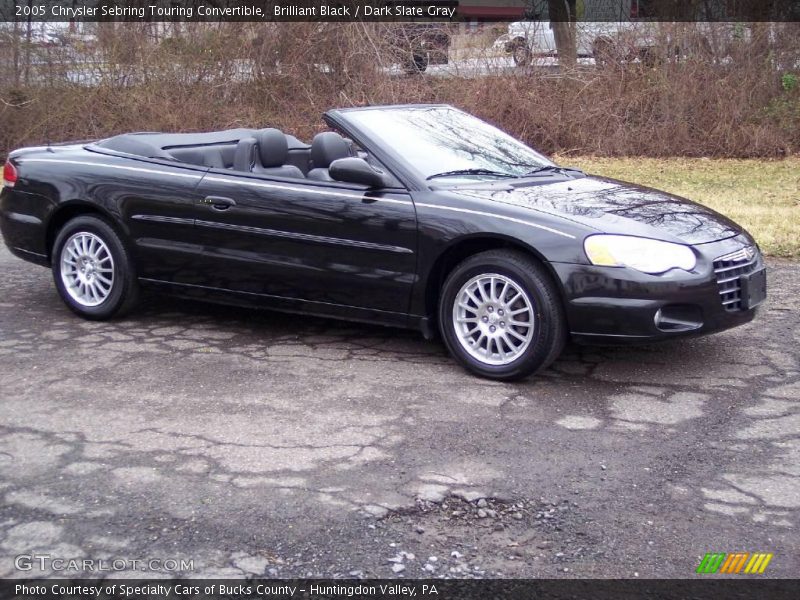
x,y
323,243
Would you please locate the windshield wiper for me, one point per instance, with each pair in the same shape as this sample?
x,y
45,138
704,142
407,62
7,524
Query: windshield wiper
x,y
471,172
552,169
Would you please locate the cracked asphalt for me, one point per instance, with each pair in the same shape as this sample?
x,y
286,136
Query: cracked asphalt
x,y
254,443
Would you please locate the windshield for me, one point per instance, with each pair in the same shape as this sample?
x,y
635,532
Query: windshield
x,y
441,142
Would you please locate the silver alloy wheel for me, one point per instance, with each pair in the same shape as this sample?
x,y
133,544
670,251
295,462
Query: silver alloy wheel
x,y
87,269
493,318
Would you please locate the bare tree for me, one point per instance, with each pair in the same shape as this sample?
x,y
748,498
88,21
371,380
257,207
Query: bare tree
x,y
563,14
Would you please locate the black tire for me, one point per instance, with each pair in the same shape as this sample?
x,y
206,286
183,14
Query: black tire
x,y
124,290
416,64
549,324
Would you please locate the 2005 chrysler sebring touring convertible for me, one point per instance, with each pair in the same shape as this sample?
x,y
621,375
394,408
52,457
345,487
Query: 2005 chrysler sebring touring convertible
x,y
415,216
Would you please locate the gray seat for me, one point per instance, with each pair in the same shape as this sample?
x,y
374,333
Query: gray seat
x,y
206,157
326,147
265,153
299,154
244,158
273,154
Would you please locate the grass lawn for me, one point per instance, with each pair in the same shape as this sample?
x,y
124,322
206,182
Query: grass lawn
x,y
761,195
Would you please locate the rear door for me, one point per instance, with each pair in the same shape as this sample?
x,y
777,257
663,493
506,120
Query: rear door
x,y
325,243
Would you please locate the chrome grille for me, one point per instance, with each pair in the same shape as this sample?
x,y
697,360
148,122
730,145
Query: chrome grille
x,y
728,269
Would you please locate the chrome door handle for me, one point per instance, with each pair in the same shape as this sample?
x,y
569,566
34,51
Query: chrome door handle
x,y
219,202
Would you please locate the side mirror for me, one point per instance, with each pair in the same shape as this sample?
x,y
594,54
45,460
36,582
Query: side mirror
x,y
357,170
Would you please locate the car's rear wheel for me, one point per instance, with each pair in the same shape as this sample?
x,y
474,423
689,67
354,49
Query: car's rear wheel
x,y
92,269
500,315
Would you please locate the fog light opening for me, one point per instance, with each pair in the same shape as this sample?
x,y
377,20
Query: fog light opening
x,y
678,318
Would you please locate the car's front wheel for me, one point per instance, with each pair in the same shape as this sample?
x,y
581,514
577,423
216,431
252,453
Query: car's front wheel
x,y
500,315
92,269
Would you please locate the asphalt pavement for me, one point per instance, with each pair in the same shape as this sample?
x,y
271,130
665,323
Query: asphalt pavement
x,y
251,443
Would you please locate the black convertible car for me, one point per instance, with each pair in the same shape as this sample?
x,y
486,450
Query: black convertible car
x,y
415,216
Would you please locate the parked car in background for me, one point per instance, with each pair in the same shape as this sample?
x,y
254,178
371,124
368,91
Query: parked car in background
x,y
603,41
45,38
417,45
418,216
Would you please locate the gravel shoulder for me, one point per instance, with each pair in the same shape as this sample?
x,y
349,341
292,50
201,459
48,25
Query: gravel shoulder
x,y
265,444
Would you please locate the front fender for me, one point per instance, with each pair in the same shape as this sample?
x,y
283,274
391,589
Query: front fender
x,y
448,221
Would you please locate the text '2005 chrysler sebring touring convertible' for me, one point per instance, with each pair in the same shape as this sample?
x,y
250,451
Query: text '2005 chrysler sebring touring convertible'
x,y
415,216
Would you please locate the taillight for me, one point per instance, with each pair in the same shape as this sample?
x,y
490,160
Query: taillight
x,y
9,175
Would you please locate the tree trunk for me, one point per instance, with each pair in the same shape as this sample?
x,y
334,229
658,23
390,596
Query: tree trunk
x,y
28,44
15,49
562,20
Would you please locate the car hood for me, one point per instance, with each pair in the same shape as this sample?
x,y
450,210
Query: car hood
x,y
613,206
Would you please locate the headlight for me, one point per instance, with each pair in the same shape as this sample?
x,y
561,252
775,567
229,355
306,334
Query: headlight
x,y
642,254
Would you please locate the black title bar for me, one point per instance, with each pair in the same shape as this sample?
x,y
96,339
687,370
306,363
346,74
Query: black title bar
x,y
397,10
701,588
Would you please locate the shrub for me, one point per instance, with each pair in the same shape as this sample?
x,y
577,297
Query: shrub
x,y
719,99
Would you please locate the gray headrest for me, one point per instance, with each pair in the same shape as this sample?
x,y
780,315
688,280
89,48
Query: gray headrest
x,y
272,147
326,148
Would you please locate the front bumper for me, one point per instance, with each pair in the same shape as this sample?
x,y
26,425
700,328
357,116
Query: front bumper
x,y
619,305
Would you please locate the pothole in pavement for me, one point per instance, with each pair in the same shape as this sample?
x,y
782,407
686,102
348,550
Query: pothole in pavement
x,y
487,537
